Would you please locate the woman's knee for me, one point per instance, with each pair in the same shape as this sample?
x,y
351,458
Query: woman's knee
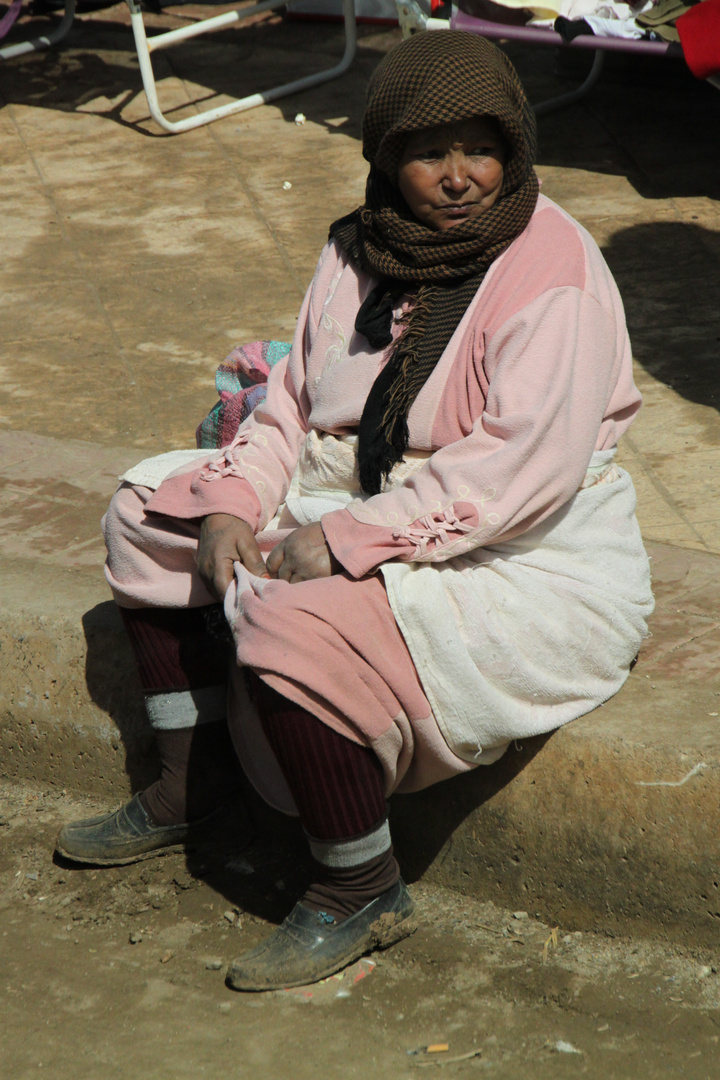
x,y
125,512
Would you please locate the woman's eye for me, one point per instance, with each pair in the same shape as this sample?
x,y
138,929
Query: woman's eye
x,y
481,151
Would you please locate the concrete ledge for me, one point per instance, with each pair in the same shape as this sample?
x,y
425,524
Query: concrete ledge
x,y
71,709
610,821
613,819
565,829
65,723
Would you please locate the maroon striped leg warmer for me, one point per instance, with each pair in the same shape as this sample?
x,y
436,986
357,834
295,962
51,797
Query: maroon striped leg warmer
x,y
339,790
173,648
183,672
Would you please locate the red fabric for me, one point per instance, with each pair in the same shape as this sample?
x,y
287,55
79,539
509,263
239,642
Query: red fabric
x,y
699,30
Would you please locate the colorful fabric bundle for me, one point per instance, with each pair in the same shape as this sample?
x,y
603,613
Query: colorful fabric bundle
x,y
240,381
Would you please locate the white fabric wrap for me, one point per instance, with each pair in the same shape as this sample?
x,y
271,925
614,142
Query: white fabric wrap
x,y
519,638
151,472
511,640
326,477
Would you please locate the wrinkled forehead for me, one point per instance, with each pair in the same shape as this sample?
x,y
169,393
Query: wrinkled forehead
x,y
445,77
476,129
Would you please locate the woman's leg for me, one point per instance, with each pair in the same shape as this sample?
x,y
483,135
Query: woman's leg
x,y
183,674
357,900
338,788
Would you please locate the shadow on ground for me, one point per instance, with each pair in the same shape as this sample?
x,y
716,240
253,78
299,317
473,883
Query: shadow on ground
x,y
423,824
272,871
674,330
113,685
247,871
647,119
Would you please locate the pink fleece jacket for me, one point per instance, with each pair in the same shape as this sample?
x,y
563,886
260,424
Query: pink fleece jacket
x,y
537,376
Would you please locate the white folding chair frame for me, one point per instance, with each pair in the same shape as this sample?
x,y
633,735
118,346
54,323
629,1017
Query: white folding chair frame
x,y
145,46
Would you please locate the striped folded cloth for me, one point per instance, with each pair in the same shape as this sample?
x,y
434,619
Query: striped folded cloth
x,y
240,381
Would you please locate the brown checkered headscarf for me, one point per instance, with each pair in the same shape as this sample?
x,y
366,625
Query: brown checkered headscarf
x,y
436,77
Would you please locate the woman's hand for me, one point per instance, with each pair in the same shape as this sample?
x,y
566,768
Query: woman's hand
x,y
303,555
224,540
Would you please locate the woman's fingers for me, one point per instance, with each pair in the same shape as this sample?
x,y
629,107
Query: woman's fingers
x,y
222,576
248,553
224,540
275,559
302,556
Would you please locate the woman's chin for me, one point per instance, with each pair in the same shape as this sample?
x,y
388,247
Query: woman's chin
x,y
448,221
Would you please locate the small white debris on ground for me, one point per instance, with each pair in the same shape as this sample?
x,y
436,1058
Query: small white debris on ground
x,y
563,1047
672,783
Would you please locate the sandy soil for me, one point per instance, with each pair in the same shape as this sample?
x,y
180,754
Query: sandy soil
x,y
119,973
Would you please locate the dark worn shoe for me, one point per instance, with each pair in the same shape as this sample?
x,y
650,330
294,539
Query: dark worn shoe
x,y
128,835
310,945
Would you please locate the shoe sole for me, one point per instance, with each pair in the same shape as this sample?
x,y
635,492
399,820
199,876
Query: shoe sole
x,y
212,846
382,934
91,860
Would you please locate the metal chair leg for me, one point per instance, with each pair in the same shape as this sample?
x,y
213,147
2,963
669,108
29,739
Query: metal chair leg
x,y
574,95
35,44
413,19
145,46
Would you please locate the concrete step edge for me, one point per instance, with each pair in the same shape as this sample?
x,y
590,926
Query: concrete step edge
x,y
565,826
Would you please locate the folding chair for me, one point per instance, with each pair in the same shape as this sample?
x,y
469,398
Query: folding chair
x,y
145,46
412,19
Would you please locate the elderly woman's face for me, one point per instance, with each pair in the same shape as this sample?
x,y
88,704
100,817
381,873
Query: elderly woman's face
x,y
453,172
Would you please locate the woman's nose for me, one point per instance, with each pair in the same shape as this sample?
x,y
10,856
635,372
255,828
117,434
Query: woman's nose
x,y
456,172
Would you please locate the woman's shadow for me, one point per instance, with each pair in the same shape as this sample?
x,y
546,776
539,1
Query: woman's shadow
x,y
264,868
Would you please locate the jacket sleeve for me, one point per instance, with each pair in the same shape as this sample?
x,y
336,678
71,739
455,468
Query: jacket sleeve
x,y
551,370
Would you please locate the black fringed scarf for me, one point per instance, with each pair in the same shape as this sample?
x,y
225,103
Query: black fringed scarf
x,y
433,78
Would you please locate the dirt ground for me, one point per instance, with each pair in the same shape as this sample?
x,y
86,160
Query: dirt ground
x,y
123,969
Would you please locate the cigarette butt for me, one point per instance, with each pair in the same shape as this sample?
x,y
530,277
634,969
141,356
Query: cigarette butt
x,y
437,1048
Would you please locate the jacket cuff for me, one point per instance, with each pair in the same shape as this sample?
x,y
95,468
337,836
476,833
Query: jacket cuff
x,y
187,496
359,547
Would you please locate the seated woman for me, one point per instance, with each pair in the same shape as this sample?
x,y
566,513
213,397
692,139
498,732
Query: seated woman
x,y
454,560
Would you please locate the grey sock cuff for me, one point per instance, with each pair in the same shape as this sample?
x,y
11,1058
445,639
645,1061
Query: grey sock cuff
x,y
341,853
170,710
